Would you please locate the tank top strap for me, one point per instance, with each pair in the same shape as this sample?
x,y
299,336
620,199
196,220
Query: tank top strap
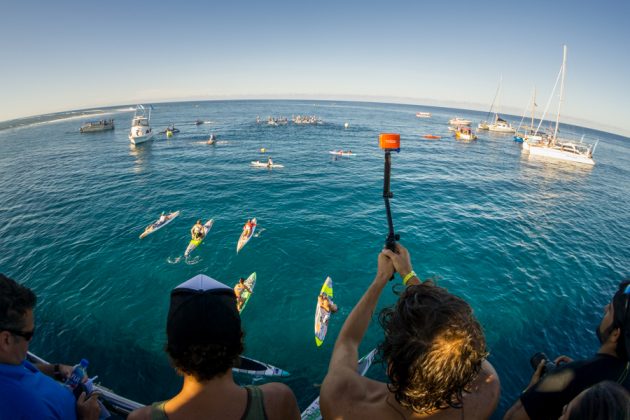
x,y
255,409
158,412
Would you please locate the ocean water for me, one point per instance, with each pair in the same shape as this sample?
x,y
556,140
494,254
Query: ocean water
x,y
536,247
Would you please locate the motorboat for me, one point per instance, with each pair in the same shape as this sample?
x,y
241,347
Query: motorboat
x,y
465,133
459,121
483,125
140,129
95,126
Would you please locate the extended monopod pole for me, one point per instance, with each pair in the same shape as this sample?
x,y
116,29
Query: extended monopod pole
x,y
389,142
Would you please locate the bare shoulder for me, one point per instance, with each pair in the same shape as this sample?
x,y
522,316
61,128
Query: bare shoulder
x,y
143,413
485,392
349,395
280,402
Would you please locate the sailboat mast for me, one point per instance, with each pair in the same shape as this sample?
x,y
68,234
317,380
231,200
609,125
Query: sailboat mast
x,y
564,65
531,127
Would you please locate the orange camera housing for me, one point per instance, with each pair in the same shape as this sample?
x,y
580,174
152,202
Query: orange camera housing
x,y
389,141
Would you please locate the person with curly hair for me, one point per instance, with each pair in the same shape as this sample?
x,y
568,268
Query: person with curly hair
x,y
606,400
434,350
204,342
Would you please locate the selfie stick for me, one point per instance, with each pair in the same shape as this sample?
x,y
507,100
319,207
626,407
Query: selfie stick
x,y
389,142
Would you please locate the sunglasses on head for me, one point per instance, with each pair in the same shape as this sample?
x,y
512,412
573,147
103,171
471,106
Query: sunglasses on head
x,y
27,335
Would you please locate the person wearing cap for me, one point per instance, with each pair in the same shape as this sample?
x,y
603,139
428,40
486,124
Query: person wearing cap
x,y
204,342
28,391
546,395
434,351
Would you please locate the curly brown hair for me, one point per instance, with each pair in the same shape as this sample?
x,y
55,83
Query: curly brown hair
x,y
15,301
205,361
433,347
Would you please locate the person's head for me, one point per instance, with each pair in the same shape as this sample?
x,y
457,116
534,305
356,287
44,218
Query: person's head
x,y
203,328
606,400
433,347
17,324
614,327
199,221
241,280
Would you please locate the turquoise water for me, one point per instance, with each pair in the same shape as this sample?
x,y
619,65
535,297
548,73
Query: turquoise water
x,y
536,247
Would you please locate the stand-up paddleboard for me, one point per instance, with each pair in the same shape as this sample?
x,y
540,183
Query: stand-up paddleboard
x,y
155,226
194,243
250,282
242,241
341,153
321,315
312,411
256,368
260,164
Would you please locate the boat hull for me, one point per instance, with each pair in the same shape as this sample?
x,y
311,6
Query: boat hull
x,y
557,153
140,139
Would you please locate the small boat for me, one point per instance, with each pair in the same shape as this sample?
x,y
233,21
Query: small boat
x,y
157,225
254,367
312,412
342,153
423,114
250,283
465,133
259,164
140,129
459,121
483,125
244,238
322,316
95,126
431,137
194,243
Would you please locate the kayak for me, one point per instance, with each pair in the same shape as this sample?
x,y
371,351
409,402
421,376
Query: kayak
x,y
312,411
194,243
341,153
155,226
260,164
322,315
256,368
242,241
432,137
251,283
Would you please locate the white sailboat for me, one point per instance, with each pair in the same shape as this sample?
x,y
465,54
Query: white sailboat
x,y
556,148
500,125
140,126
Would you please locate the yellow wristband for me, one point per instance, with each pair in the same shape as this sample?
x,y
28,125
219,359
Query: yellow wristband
x,y
408,277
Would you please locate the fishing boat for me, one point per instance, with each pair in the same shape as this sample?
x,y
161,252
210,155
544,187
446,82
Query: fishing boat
x,y
459,121
465,133
140,129
423,114
95,126
552,146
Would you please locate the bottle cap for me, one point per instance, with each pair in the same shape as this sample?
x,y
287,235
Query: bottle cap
x,y
84,363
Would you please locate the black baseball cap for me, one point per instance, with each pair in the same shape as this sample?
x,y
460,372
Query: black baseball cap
x,y
203,311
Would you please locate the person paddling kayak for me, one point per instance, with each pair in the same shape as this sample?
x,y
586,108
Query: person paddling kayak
x,y
238,291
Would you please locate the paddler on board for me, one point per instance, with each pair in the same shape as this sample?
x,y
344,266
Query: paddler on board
x,y
238,291
328,307
269,163
197,231
247,229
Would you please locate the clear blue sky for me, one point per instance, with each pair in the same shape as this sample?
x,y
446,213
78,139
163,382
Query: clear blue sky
x,y
62,55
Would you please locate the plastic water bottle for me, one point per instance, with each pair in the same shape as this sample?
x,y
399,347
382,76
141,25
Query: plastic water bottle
x,y
78,373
